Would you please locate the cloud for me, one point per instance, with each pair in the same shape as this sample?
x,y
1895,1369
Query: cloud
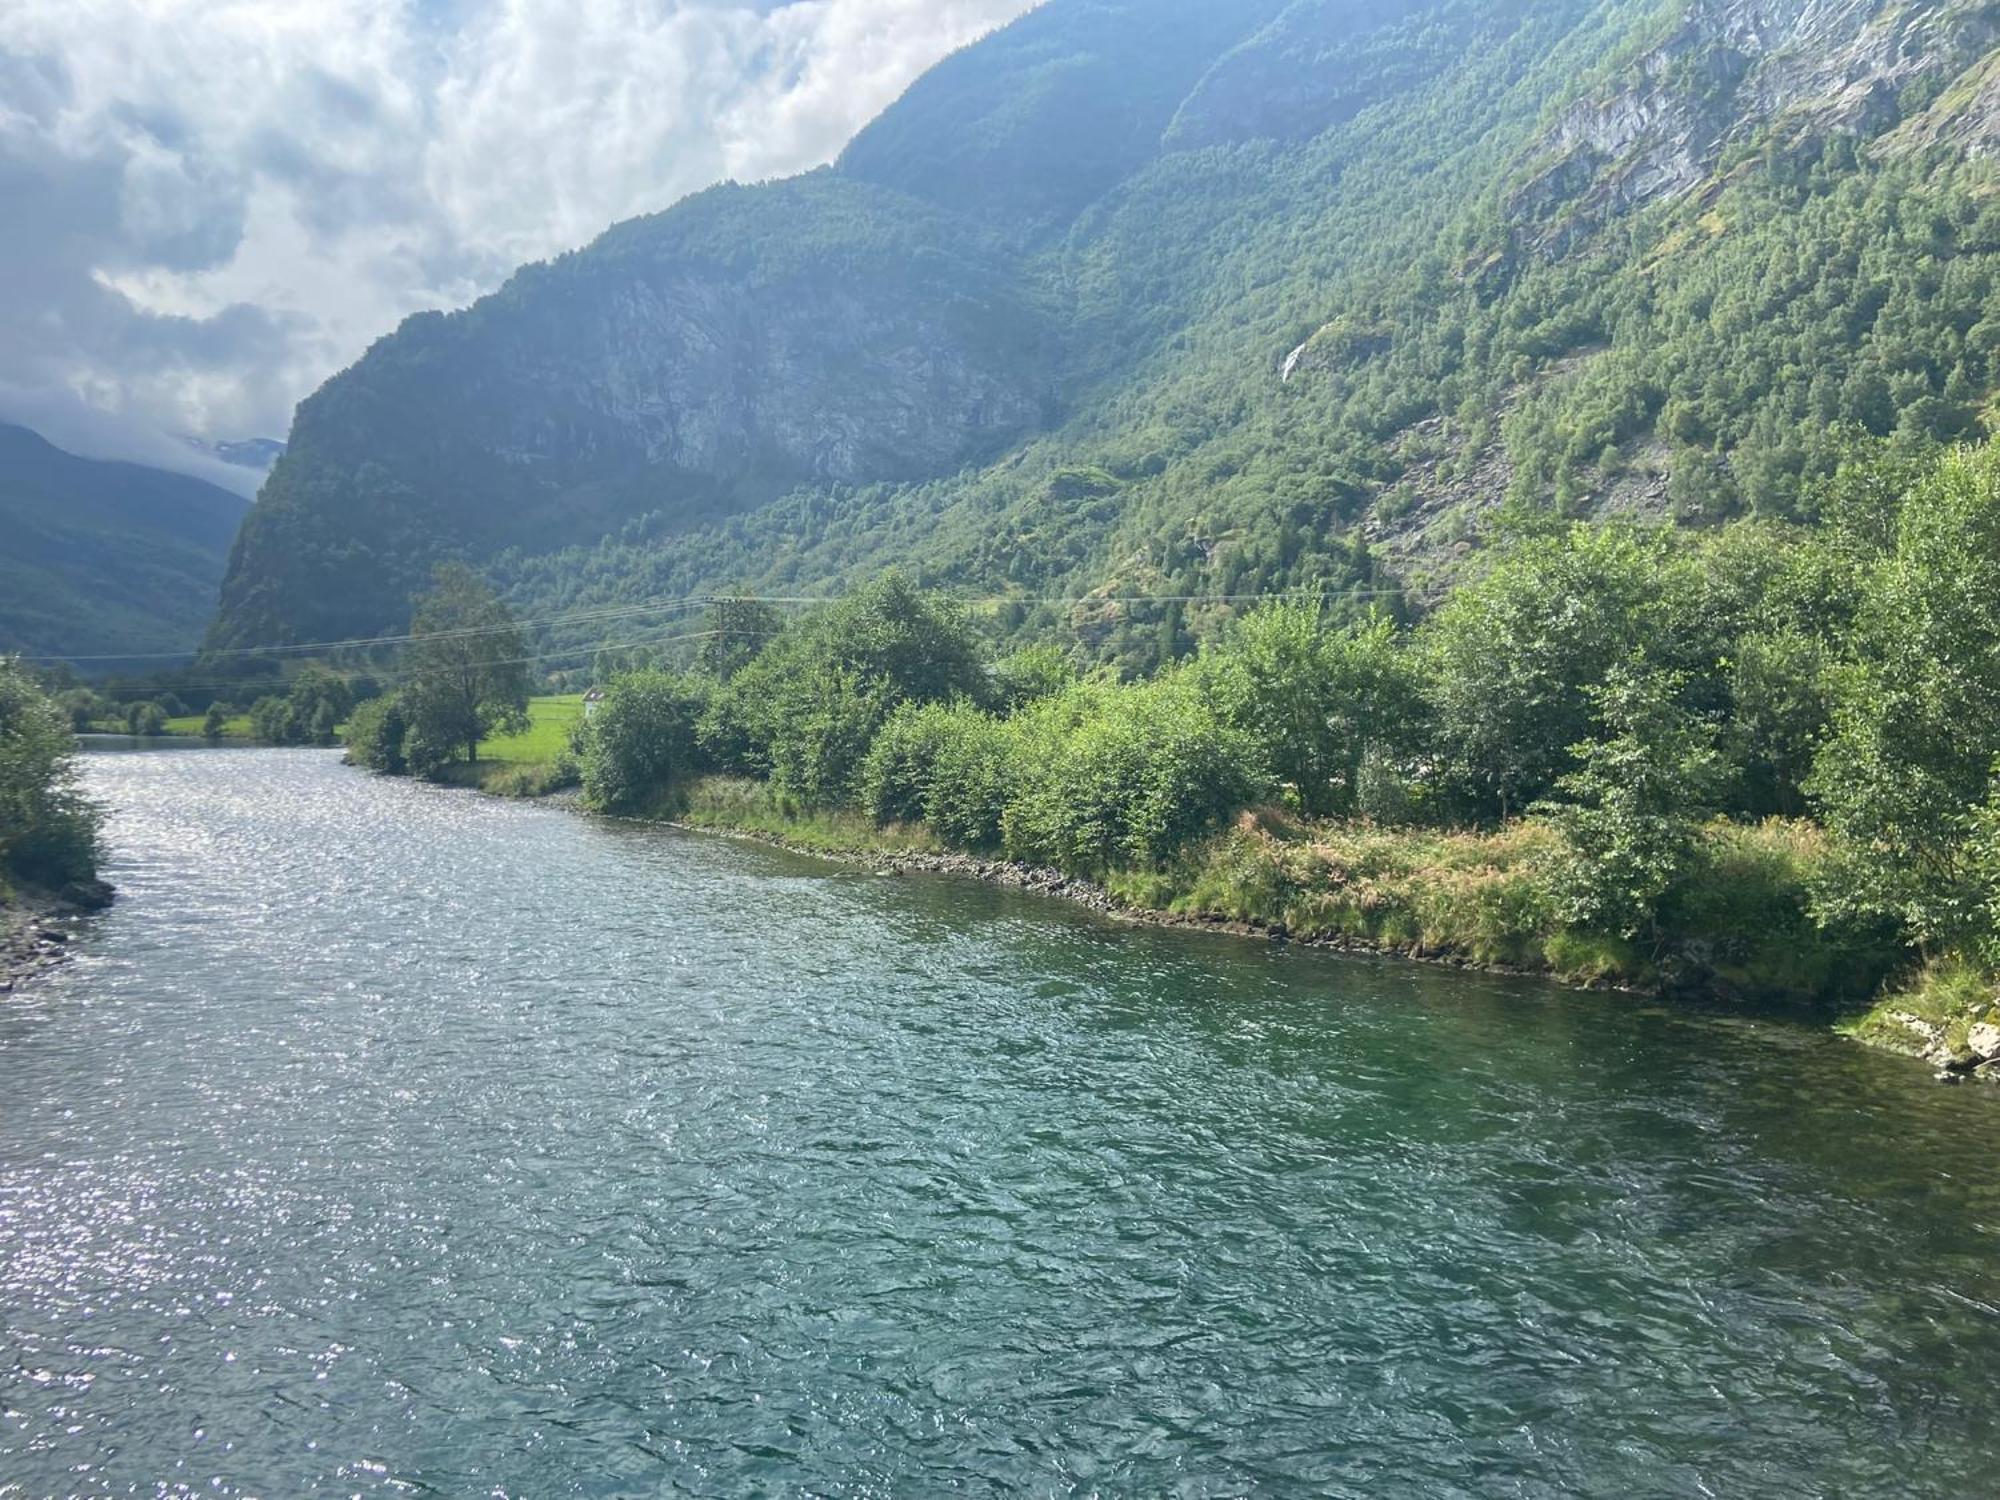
x,y
215,204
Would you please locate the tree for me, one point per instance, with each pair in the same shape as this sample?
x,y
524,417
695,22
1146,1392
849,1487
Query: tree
x,y
640,742
1510,659
1317,699
737,629
375,735
812,701
1909,766
830,721
1032,674
1633,807
465,670
147,719
49,831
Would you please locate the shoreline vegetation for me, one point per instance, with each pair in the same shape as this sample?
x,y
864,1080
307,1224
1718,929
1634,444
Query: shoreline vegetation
x,y
1753,763
50,834
1474,900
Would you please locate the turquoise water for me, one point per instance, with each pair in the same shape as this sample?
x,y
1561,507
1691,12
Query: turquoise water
x,y
392,1140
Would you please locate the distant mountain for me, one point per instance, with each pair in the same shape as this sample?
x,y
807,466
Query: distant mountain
x,y
1186,297
248,453
98,557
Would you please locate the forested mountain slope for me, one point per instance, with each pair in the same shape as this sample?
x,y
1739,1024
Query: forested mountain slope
x,y
1170,297
98,558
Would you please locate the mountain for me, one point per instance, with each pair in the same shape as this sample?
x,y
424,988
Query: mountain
x,y
1172,297
246,453
106,557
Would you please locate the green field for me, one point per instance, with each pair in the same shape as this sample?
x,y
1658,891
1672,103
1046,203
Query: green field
x,y
550,721
547,735
236,728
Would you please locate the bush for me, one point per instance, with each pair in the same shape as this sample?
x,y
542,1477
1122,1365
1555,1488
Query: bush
x,y
641,743
375,735
950,766
1115,774
49,832
830,721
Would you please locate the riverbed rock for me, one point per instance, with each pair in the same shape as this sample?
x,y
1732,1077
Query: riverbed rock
x,y
1947,1058
1983,1041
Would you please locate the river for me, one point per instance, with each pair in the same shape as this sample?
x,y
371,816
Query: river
x,y
391,1140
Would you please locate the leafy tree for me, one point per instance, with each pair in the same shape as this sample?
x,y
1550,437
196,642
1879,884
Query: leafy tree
x,y
147,719
737,629
1032,674
49,831
214,721
375,736
1510,660
1317,699
641,742
465,670
950,765
1633,807
1111,775
1916,722
812,701
830,722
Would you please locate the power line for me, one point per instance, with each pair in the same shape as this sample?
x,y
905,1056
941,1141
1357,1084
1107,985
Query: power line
x,y
279,685
688,601
622,611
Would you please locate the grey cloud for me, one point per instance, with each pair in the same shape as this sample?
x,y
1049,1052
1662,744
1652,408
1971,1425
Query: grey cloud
x,y
214,208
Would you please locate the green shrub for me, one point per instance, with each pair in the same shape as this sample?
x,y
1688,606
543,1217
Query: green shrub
x,y
1111,775
950,766
375,736
49,831
641,743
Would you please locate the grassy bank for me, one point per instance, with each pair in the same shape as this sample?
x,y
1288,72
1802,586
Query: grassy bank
x,y
1931,1013
730,804
194,726
1481,898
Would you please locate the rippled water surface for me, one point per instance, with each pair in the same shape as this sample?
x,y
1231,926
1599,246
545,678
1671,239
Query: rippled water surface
x,y
392,1140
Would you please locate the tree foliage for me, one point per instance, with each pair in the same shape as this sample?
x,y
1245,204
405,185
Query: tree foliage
x,y
50,832
465,672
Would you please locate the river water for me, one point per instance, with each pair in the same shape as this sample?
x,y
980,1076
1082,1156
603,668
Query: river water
x,y
386,1139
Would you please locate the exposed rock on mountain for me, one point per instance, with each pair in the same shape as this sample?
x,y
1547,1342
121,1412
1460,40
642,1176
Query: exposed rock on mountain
x,y
1289,277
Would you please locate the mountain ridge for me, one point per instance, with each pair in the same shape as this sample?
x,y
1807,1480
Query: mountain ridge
x,y
1335,262
104,556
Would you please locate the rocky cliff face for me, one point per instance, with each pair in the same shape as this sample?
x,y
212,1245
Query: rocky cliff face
x,y
1102,241
1729,70
812,333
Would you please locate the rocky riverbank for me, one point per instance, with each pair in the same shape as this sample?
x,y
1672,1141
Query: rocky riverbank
x,y
38,929
1097,898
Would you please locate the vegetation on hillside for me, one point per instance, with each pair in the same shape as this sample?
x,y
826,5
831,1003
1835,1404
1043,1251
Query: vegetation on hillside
x,y
1295,324
1760,756
100,558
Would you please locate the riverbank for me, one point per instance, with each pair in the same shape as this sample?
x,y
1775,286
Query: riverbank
x,y
38,927
1947,1015
1467,899
1482,900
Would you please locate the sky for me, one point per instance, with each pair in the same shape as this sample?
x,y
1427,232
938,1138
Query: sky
x,y
212,205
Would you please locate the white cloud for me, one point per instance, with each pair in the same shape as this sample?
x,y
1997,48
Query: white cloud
x,y
215,204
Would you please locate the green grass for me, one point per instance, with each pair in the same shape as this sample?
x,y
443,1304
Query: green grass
x,y
237,728
1951,995
549,723
1484,897
727,804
